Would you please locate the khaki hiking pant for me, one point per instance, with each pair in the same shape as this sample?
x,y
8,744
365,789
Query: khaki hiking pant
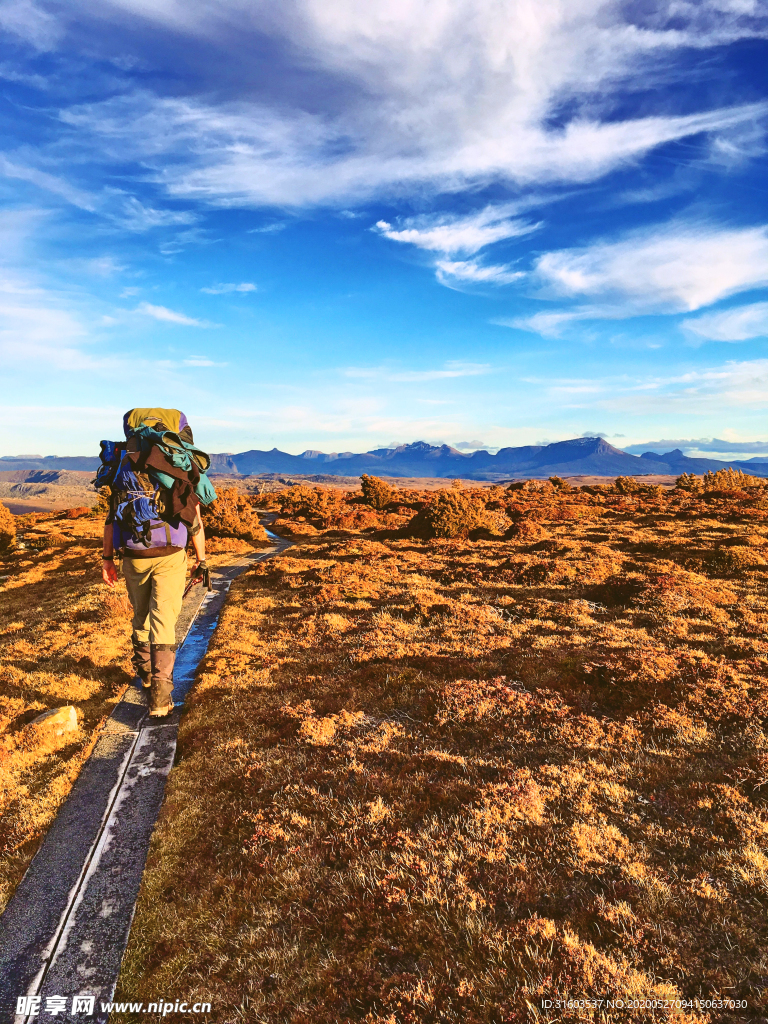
x,y
156,590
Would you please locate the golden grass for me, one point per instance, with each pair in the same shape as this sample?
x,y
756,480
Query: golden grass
x,y
427,781
64,639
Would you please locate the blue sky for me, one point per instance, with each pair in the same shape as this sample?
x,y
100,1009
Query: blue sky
x,y
342,226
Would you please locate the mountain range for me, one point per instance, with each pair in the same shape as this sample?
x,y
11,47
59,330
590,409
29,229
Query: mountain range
x,y
581,456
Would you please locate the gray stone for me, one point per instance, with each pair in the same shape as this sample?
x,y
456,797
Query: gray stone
x,y
56,725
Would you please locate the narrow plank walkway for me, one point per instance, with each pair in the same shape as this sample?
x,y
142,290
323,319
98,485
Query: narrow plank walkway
x,y
66,927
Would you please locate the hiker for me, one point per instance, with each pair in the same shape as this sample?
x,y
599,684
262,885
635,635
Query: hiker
x,y
157,481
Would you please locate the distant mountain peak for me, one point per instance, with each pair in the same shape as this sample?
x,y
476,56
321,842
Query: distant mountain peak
x,y
577,456
675,455
417,446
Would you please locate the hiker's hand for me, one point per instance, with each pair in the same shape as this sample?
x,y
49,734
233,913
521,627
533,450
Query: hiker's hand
x,y
197,572
109,573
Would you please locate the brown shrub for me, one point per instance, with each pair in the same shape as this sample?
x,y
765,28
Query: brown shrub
x,y
526,529
451,514
227,545
101,509
81,512
45,541
534,486
737,559
376,492
730,480
322,504
719,494
750,540
559,484
689,482
233,515
7,528
627,485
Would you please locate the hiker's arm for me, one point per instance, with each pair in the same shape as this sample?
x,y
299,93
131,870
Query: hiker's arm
x,y
198,539
108,571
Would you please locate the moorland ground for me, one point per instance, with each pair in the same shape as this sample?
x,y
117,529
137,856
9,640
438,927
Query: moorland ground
x,y
433,779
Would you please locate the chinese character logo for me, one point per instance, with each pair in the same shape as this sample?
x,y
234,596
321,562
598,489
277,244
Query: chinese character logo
x,y
55,1004
83,1004
28,1005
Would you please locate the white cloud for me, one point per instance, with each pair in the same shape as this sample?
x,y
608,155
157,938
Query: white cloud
x,y
243,154
225,289
99,266
455,273
551,323
471,446
12,74
48,182
268,229
678,268
458,235
447,95
170,316
732,387
41,332
135,216
737,324
200,361
738,384
703,447
384,373
29,21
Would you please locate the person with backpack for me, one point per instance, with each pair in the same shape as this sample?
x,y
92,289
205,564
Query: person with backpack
x,y
157,481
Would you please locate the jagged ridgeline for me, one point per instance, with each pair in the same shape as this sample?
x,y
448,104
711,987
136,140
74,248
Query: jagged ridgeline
x,y
581,456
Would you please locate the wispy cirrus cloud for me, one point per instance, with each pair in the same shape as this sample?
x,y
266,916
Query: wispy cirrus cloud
x,y
202,361
448,371
455,273
31,22
171,316
732,386
678,267
134,215
48,182
227,289
738,324
452,234
550,323
247,155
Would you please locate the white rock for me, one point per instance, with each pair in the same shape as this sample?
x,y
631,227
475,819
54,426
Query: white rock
x,y
56,722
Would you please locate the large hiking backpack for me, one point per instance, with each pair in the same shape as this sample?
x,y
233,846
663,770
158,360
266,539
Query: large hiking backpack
x,y
141,501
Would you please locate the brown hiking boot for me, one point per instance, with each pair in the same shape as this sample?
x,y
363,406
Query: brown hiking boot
x,y
162,712
163,657
142,661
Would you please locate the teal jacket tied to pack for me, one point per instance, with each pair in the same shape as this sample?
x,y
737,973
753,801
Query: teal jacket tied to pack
x,y
182,455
